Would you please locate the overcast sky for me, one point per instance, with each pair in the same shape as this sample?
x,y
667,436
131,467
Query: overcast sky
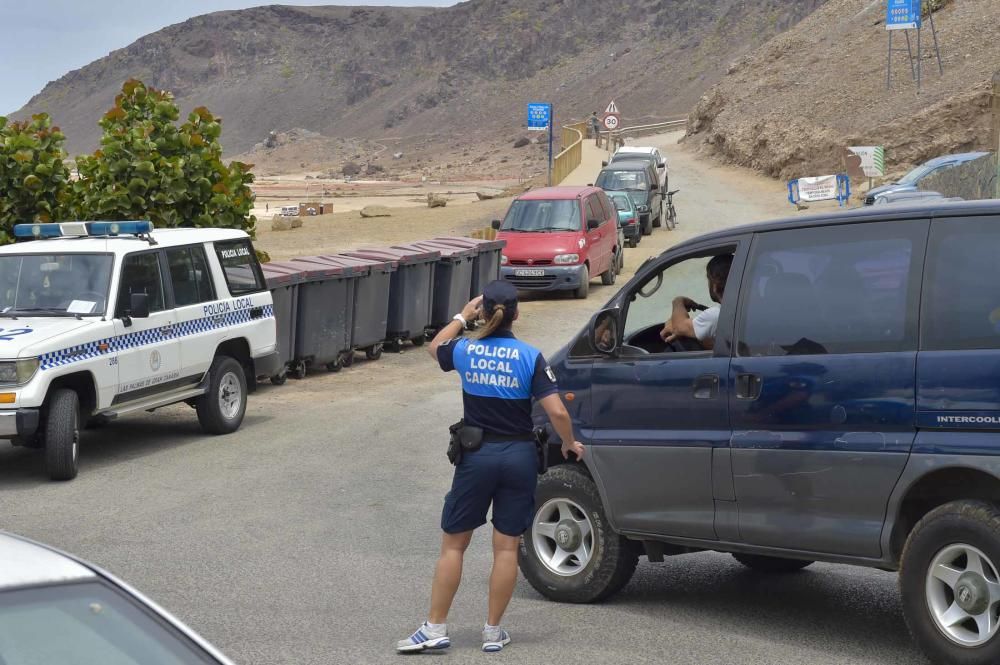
x,y
40,40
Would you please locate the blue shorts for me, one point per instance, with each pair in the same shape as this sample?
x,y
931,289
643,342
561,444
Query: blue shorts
x,y
501,473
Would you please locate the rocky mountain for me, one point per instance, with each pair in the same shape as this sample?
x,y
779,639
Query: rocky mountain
x,y
435,75
791,106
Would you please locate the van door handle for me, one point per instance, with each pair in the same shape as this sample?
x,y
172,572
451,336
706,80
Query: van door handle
x,y
748,386
706,386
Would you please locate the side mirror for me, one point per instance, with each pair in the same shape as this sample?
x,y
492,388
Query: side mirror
x,y
590,184
604,163
662,165
593,224
604,331
139,306
496,224
654,187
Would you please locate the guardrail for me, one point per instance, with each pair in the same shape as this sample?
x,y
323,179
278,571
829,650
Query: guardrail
x,y
572,153
614,140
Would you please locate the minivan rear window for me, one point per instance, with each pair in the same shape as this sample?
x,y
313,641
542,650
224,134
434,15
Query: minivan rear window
x,y
536,216
961,303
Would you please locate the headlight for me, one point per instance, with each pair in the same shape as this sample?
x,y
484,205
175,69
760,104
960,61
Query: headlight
x,y
503,259
18,371
566,258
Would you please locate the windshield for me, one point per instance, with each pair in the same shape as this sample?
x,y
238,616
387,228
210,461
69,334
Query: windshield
x,y
633,157
86,624
622,202
54,284
536,216
917,174
629,181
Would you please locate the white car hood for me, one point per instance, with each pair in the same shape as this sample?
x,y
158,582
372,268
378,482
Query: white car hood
x,y
26,336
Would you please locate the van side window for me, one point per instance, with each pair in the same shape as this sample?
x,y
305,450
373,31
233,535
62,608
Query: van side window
x,y
594,210
239,264
140,274
190,276
839,289
961,306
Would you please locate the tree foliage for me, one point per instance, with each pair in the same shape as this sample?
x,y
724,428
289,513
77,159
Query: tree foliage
x,y
34,181
148,167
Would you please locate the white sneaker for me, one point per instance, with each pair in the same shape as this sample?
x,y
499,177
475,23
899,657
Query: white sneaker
x,y
424,639
495,640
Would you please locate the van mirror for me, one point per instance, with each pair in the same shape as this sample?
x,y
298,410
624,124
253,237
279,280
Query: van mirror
x,y
138,306
604,163
604,331
654,187
496,224
662,165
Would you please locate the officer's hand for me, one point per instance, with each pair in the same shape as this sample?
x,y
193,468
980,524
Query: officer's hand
x,y
473,309
575,447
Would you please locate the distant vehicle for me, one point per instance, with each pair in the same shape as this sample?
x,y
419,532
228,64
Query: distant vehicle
x,y
557,238
642,152
640,180
55,608
289,211
911,181
628,217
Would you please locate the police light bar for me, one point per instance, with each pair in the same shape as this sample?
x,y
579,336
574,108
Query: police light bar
x,y
80,229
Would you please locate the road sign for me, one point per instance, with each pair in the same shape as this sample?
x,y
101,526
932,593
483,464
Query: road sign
x,y
903,15
612,109
539,116
612,121
872,159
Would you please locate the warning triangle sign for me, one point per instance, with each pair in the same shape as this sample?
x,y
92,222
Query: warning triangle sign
x,y
612,107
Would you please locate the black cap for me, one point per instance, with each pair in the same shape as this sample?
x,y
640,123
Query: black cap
x,y
499,292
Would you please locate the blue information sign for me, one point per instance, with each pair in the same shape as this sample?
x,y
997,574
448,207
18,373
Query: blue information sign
x,y
539,115
903,15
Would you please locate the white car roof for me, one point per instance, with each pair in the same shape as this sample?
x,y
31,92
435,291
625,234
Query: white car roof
x,y
23,563
634,149
124,243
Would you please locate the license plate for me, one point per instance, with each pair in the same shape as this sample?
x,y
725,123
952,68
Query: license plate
x,y
536,272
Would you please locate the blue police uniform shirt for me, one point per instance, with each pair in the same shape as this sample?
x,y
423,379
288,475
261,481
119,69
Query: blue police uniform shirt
x,y
500,376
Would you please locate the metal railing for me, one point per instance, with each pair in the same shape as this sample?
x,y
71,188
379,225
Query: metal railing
x,y
616,139
572,153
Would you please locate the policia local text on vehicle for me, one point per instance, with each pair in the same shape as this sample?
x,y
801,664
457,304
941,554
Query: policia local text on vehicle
x,y
496,459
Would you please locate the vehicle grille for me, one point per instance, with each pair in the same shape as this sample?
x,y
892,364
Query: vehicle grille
x,y
870,201
543,282
536,262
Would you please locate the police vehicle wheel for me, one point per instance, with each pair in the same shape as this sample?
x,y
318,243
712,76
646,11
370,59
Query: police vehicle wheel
x,y
419,340
221,409
569,553
62,435
950,583
584,288
279,379
771,564
373,352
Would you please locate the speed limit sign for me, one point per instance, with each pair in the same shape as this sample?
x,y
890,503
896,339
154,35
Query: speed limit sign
x,y
611,121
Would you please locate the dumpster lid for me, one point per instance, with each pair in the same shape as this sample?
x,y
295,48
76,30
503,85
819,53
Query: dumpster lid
x,y
391,262
480,244
281,273
350,267
448,251
404,254
374,265
314,270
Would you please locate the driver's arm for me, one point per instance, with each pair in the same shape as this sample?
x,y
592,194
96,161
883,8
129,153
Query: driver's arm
x,y
680,323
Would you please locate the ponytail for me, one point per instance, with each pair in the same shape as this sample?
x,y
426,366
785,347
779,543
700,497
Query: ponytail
x,y
493,324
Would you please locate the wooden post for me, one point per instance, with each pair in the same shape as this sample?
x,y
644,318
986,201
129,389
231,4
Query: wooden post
x,y
995,141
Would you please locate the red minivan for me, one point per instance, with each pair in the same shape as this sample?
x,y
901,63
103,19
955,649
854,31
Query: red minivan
x,y
558,238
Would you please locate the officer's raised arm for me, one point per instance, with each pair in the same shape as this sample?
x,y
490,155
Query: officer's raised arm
x,y
470,312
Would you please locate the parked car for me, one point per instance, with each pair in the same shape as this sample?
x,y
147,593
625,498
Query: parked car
x,y
640,180
848,411
911,181
628,217
289,211
648,153
910,197
558,238
54,608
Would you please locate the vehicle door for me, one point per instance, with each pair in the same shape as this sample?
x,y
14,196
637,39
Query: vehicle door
x,y
611,220
661,170
822,387
196,306
597,238
660,426
148,351
958,395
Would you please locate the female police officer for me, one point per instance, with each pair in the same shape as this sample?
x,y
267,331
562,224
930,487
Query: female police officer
x,y
500,377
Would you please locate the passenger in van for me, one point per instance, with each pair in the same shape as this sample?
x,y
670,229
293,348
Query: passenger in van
x,y
703,325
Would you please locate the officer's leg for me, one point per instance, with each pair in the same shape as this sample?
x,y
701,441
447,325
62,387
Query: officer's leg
x,y
448,574
504,575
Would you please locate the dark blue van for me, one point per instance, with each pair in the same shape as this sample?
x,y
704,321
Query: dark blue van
x,y
839,402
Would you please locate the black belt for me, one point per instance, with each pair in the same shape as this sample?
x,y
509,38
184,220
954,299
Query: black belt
x,y
490,437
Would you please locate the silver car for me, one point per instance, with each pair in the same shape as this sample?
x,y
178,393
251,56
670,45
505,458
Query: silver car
x,y
55,608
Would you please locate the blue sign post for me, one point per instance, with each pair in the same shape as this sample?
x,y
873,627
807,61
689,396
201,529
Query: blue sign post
x,y
903,15
540,119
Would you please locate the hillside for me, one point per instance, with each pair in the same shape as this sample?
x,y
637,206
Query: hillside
x,y
791,106
435,82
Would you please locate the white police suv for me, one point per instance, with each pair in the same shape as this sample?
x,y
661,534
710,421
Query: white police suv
x,y
101,319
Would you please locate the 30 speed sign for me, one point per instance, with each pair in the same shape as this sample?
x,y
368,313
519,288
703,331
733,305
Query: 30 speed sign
x,y
611,121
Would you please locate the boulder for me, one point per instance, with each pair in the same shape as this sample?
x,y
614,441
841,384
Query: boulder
x,y
280,223
436,201
521,142
375,211
486,196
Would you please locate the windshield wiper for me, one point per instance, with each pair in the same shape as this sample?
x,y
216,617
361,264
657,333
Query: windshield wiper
x,y
39,310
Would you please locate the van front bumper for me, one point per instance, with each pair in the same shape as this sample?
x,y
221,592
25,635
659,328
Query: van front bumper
x,y
550,278
18,422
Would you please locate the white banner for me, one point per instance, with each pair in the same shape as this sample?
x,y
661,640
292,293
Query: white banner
x,y
821,188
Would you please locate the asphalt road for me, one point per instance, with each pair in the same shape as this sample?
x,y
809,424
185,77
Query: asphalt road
x,y
309,536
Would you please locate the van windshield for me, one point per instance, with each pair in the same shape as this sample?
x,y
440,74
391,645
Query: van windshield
x,y
629,181
54,284
542,216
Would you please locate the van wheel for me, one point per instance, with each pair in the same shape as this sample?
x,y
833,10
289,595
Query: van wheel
x,y
647,228
609,276
584,288
771,564
569,553
658,222
950,583
62,435
221,409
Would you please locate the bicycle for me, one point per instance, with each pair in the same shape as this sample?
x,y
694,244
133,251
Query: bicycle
x,y
671,212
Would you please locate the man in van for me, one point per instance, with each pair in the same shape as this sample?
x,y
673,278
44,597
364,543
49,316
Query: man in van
x,y
703,325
